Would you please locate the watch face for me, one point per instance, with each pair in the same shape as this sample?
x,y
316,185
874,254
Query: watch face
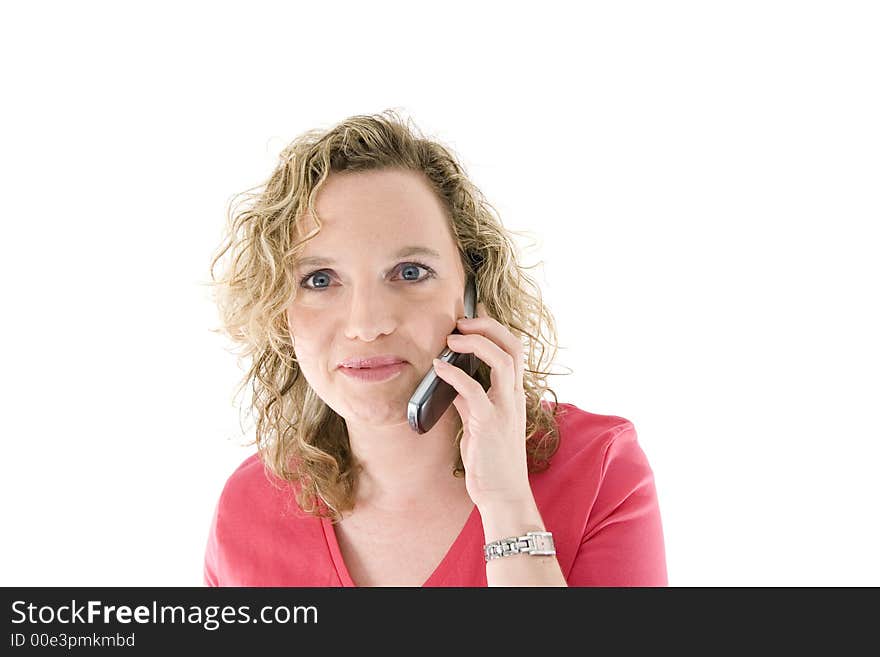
x,y
542,543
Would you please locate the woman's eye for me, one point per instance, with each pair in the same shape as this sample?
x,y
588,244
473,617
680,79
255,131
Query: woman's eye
x,y
318,275
414,269
409,271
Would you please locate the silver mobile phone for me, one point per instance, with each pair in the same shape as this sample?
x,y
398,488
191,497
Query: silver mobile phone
x,y
433,395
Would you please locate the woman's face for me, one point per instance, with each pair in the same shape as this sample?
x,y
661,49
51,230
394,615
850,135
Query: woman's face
x,y
375,295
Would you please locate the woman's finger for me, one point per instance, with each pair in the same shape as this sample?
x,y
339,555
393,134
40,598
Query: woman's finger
x,y
501,365
465,385
500,335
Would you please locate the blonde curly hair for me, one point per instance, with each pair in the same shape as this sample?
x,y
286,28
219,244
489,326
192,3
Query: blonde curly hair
x,y
300,439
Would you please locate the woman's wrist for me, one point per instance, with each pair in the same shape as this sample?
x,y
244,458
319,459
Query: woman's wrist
x,y
515,517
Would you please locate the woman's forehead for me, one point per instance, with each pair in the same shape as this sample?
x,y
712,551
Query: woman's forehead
x,y
382,236
383,199
329,257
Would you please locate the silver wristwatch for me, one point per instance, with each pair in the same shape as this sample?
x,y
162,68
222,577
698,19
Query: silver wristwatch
x,y
534,543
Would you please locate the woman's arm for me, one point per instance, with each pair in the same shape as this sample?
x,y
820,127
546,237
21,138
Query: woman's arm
x,y
623,541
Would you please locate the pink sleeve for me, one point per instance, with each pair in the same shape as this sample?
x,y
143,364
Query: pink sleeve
x,y
210,570
623,543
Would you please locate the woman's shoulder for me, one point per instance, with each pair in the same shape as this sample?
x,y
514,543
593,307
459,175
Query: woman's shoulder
x,y
248,469
247,474
580,429
596,451
588,441
252,485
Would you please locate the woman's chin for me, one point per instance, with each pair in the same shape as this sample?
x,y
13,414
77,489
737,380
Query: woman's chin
x,y
375,410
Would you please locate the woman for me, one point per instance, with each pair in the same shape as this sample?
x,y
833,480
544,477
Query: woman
x,y
345,279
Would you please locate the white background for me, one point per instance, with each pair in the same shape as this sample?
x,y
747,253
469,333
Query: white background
x,y
702,179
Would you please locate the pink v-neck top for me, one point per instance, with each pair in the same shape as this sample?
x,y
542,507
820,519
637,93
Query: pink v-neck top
x,y
597,497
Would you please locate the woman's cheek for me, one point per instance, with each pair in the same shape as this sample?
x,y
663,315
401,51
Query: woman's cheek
x,y
304,341
312,368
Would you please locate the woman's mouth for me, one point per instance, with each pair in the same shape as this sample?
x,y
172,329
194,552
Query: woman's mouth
x,y
373,373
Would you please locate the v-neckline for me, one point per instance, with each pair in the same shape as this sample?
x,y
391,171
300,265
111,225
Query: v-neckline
x,y
342,569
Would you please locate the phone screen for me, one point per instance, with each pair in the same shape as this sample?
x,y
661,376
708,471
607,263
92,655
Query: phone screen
x,y
434,395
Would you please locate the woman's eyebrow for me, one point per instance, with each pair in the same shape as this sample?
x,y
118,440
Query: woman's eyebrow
x,y
402,253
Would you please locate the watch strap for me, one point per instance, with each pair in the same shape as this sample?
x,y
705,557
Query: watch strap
x,y
533,543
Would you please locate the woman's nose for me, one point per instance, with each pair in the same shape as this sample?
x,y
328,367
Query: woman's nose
x,y
370,313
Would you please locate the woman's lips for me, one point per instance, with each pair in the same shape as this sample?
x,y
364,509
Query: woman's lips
x,y
373,373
